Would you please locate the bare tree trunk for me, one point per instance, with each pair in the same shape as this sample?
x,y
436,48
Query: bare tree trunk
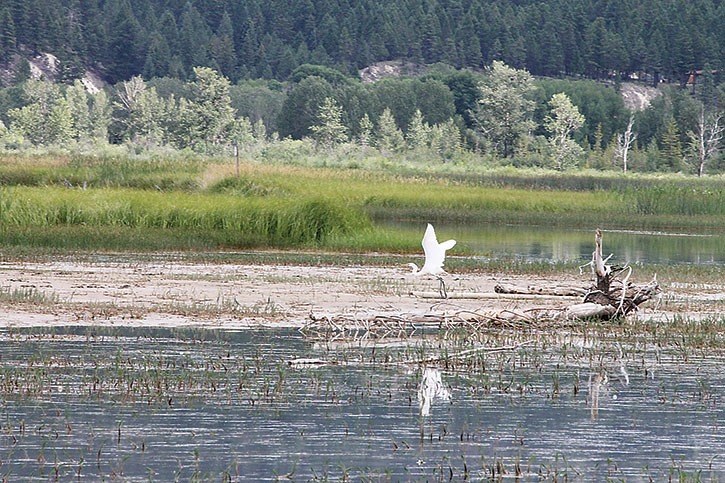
x,y
601,270
624,143
706,141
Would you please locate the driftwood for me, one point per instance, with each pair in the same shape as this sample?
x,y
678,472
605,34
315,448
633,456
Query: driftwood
x,y
612,291
559,290
611,296
495,295
443,316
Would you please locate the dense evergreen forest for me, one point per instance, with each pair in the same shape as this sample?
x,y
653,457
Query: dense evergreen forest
x,y
270,38
519,82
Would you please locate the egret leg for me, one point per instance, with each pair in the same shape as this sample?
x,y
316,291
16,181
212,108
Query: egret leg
x,y
442,287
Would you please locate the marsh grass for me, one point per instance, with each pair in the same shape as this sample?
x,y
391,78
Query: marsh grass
x,y
93,216
96,171
119,202
26,295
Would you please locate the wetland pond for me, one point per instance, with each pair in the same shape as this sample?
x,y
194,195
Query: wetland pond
x,y
560,244
140,404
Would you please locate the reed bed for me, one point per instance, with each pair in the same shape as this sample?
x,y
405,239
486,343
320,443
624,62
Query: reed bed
x,y
236,220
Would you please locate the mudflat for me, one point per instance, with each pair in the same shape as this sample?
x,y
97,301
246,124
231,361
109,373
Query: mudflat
x,y
169,293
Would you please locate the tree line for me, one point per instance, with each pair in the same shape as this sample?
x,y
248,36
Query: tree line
x,y
269,39
501,115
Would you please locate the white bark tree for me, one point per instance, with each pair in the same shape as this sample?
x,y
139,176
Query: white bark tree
x,y
705,141
625,141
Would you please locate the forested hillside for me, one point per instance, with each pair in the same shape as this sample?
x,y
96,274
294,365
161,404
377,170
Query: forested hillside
x,y
270,38
478,82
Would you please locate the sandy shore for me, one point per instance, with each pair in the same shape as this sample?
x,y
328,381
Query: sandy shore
x,y
170,294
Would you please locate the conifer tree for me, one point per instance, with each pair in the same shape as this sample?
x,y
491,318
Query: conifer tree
x,y
329,130
671,147
388,137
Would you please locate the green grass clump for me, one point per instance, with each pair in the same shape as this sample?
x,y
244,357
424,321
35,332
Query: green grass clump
x,y
676,199
220,220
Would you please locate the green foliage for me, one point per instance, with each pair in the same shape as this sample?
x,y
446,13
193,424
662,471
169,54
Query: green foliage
x,y
600,104
671,146
258,101
302,105
238,221
563,121
333,76
329,131
140,112
210,107
47,118
503,114
272,38
388,138
207,115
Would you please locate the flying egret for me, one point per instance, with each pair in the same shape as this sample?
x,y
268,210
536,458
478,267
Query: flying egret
x,y
435,254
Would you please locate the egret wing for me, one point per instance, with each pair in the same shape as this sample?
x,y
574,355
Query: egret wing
x,y
434,254
447,245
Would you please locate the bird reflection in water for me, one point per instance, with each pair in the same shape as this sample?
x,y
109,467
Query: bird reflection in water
x,y
431,388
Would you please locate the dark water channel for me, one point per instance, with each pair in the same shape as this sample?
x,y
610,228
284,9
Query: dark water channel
x,y
165,405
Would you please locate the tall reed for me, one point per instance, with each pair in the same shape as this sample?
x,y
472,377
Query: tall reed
x,y
245,220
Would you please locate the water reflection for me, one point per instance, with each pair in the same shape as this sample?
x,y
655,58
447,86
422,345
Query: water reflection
x,y
596,381
543,243
431,388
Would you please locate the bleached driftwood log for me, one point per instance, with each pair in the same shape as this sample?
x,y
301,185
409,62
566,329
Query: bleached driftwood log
x,y
612,290
496,295
558,290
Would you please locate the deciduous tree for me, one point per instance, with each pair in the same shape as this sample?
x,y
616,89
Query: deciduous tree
x,y
563,120
210,104
503,114
47,118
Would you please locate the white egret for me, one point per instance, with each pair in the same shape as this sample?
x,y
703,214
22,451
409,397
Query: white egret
x,y
435,254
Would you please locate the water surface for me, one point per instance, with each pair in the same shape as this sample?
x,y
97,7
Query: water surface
x,y
157,404
559,244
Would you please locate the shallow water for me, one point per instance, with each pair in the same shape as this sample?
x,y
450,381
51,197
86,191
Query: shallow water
x,y
153,404
558,244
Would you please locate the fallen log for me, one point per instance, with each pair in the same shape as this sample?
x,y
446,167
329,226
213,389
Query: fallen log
x,y
493,295
561,291
588,310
